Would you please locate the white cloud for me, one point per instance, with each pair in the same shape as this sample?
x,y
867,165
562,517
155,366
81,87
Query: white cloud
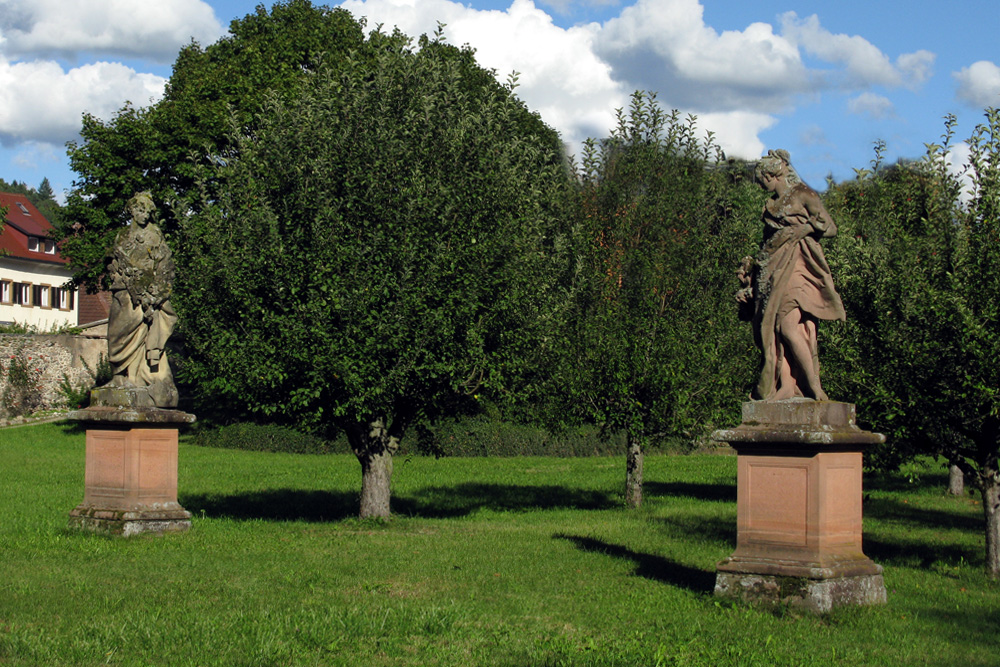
x,y
872,105
865,63
137,28
916,68
664,45
50,101
560,76
979,84
738,132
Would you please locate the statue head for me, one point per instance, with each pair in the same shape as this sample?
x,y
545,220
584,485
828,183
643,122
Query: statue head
x,y
140,206
776,164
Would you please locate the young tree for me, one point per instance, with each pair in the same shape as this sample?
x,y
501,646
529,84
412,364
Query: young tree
x,y
382,243
924,350
655,348
156,148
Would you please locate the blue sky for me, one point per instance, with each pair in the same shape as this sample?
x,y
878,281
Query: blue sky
x,y
823,80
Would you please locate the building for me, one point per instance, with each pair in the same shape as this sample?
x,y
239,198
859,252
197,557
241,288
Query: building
x,y
32,272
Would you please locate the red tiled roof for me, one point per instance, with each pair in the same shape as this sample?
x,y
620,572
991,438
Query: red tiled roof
x,y
24,220
93,307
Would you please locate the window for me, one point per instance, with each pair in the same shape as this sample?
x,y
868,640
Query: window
x,y
50,247
6,291
40,295
22,294
24,209
62,298
33,243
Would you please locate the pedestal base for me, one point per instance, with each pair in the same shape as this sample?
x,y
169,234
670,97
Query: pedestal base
x,y
799,508
129,523
131,472
815,595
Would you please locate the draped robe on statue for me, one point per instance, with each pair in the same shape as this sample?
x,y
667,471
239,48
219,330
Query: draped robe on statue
x,y
792,273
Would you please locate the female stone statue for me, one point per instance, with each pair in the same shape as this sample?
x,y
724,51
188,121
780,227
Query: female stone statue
x,y
141,318
791,287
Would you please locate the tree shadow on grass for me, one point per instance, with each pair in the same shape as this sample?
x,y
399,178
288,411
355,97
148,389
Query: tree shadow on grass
x,y
429,502
274,505
463,499
716,530
915,553
719,492
890,509
649,566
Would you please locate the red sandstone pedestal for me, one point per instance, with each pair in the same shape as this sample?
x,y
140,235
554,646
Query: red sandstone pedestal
x,y
131,472
799,507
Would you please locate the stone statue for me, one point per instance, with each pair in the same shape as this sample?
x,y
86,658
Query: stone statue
x,y
141,318
789,287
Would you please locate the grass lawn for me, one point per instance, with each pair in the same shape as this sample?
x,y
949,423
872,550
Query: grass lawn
x,y
523,561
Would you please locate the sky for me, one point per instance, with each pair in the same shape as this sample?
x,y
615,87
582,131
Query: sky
x,y
823,80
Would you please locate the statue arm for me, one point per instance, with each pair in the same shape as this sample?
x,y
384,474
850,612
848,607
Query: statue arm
x,y
819,218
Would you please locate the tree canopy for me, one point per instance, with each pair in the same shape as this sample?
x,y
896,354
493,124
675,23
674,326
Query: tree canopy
x,y
157,148
919,265
383,244
654,345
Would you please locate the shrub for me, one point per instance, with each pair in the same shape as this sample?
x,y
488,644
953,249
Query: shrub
x,y
78,396
483,436
22,392
266,438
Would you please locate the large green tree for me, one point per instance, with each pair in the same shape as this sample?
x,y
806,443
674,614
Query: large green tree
x,y
654,348
919,271
384,243
157,148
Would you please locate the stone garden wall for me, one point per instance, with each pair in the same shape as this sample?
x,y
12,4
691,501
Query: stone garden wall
x,y
49,358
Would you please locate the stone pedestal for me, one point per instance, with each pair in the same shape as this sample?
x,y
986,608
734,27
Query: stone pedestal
x,y
799,507
131,472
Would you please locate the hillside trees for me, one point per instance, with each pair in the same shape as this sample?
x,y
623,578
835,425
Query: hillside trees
x,y
655,348
43,198
919,270
382,245
151,147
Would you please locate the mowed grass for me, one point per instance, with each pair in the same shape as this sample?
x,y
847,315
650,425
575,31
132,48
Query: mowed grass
x,y
523,561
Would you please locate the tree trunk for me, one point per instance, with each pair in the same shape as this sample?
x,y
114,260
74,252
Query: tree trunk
x,y
633,471
991,508
374,447
956,481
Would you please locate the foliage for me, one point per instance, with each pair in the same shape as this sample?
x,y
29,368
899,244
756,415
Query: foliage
x,y
921,349
265,438
158,148
384,249
513,561
492,436
21,387
78,395
16,327
655,347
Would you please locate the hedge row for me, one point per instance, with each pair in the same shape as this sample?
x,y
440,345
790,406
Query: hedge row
x,y
478,436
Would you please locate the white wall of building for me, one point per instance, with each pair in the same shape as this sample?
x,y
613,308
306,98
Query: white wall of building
x,y
45,316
